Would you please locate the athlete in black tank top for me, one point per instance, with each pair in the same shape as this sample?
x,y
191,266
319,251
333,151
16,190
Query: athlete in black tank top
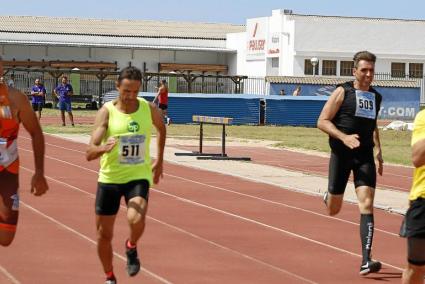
x,y
348,122
349,118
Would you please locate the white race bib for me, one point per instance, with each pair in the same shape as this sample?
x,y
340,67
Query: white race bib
x,y
132,149
4,156
365,104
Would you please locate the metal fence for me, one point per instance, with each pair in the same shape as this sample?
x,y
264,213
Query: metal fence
x,y
255,85
407,77
92,85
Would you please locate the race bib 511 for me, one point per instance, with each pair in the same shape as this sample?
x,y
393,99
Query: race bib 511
x,y
132,149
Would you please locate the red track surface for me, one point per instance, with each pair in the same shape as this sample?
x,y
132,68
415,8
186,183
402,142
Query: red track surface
x,y
395,177
56,120
202,227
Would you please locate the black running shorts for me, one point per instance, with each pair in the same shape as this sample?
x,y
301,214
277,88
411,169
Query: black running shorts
x,y
163,106
415,219
342,162
37,106
108,196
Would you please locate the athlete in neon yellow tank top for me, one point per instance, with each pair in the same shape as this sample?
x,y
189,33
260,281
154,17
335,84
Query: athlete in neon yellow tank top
x,y
131,159
121,137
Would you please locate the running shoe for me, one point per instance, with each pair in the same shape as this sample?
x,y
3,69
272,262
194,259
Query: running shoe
x,y
111,281
325,197
133,263
370,266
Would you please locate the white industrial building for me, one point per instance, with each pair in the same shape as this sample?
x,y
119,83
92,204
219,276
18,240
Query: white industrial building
x,y
136,42
279,45
284,43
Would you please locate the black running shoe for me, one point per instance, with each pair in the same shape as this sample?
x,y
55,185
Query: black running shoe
x,y
111,281
133,263
370,266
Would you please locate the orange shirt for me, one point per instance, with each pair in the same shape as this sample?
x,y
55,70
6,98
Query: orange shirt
x,y
9,129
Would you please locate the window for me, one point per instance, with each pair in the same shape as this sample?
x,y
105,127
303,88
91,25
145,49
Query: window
x,y
416,70
308,68
275,62
398,69
346,68
329,67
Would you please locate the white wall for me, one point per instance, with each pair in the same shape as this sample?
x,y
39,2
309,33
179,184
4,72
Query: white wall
x,y
338,35
122,55
237,62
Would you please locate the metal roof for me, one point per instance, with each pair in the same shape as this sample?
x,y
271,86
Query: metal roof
x,y
319,80
116,28
352,18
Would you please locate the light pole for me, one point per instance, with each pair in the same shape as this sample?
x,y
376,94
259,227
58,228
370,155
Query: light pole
x,y
314,61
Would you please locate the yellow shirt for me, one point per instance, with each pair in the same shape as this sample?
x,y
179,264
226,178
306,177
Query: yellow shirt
x,y
129,160
418,186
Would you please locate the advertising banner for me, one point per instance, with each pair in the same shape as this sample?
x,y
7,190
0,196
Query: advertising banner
x,y
256,33
397,103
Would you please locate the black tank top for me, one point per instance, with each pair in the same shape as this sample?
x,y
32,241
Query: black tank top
x,y
357,115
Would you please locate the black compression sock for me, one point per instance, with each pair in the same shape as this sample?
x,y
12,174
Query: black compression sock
x,y
366,235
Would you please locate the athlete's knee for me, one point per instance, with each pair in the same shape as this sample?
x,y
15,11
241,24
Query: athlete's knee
x,y
333,204
413,274
333,210
136,216
366,205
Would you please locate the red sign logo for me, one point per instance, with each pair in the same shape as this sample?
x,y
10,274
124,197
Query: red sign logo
x,y
255,30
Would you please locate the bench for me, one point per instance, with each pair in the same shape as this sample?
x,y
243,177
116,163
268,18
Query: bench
x,y
215,68
211,156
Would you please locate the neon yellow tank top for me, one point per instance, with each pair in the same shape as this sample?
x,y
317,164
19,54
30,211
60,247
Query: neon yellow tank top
x,y
130,159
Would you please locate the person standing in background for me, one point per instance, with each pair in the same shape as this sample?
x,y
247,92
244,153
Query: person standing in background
x,y
162,100
64,92
38,92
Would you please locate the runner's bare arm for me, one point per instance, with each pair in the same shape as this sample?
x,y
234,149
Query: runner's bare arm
x,y
418,153
161,133
378,151
95,148
30,122
156,97
329,111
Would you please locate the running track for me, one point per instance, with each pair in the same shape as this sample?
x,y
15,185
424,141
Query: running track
x,y
395,177
202,227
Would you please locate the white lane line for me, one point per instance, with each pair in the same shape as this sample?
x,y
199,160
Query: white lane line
x,y
267,226
9,275
262,224
288,167
144,270
93,196
237,193
278,203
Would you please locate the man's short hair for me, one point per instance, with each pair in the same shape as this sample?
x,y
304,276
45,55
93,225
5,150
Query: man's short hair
x,y
363,55
130,73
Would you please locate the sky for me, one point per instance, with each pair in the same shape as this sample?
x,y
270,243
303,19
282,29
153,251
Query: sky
x,y
212,11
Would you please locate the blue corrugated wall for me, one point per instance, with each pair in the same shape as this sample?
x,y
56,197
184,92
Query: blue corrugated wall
x,y
295,111
399,103
244,109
